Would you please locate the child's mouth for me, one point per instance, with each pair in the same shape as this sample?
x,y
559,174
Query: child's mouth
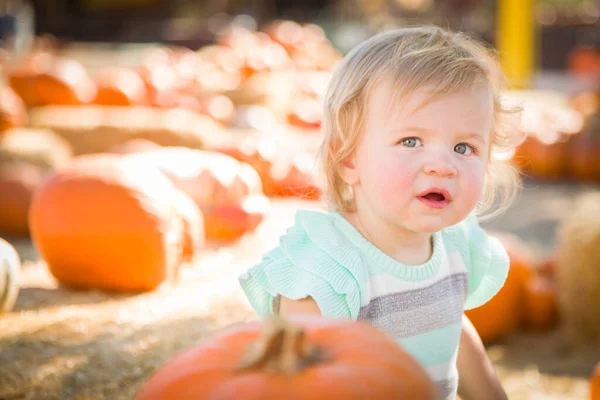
x,y
437,199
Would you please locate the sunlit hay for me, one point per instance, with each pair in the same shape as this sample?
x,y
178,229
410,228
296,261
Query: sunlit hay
x,y
96,129
39,147
578,270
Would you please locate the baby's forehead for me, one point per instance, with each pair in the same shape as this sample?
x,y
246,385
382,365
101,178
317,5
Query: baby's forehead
x,y
392,95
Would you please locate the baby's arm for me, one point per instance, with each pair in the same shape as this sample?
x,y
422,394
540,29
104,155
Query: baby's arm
x,y
302,306
477,378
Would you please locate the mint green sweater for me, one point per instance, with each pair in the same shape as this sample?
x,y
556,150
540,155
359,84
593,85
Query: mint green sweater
x,y
325,257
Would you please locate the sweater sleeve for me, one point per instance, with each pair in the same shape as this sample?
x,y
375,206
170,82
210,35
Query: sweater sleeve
x,y
485,258
302,266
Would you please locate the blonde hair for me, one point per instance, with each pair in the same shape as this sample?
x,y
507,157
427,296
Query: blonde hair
x,y
414,57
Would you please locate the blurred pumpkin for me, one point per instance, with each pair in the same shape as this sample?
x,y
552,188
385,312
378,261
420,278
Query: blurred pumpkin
x,y
584,152
120,87
502,314
108,222
285,32
217,183
540,308
66,82
12,110
595,383
22,77
18,182
227,221
309,357
283,174
549,127
306,113
10,267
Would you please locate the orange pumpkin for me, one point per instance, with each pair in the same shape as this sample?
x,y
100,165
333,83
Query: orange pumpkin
x,y
311,358
540,307
547,160
501,315
226,222
584,148
18,181
12,110
218,184
282,175
595,383
22,78
120,87
66,83
107,222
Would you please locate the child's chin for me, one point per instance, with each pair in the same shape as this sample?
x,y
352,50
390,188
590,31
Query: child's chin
x,y
433,224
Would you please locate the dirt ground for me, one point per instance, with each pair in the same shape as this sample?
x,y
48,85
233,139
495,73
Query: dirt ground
x,y
64,344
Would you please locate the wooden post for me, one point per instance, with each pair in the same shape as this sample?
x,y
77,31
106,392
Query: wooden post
x,y
516,40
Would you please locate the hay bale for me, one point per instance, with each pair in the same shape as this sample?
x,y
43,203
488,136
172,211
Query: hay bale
x,y
39,147
98,129
578,270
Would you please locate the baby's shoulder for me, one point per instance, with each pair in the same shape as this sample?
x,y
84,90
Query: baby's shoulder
x,y
314,258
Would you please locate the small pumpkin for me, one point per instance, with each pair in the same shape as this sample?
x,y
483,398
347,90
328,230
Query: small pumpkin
x,y
226,222
10,266
12,110
507,304
108,222
120,87
595,383
64,82
310,357
540,307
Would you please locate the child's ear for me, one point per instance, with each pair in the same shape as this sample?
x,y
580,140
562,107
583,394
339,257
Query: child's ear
x,y
348,171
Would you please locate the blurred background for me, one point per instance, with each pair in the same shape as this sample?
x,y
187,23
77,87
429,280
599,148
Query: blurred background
x,y
223,98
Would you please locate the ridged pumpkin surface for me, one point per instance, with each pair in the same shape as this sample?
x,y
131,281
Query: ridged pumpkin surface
x,y
107,222
307,358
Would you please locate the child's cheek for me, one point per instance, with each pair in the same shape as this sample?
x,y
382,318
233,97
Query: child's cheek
x,y
394,179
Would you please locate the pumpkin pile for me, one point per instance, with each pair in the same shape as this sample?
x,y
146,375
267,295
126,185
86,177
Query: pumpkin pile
x,y
563,136
528,299
311,357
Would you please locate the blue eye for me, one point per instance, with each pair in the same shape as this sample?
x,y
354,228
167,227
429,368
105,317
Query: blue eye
x,y
411,142
464,149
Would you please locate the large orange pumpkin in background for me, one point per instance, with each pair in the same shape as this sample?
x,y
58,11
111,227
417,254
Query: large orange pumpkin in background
x,y
120,87
228,192
307,358
108,222
12,110
502,315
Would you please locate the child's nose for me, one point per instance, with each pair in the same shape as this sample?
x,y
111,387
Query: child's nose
x,y
440,167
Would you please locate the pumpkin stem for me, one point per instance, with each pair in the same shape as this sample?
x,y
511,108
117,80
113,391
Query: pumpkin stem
x,y
282,349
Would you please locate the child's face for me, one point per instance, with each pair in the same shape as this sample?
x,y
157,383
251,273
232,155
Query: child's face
x,y
422,167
